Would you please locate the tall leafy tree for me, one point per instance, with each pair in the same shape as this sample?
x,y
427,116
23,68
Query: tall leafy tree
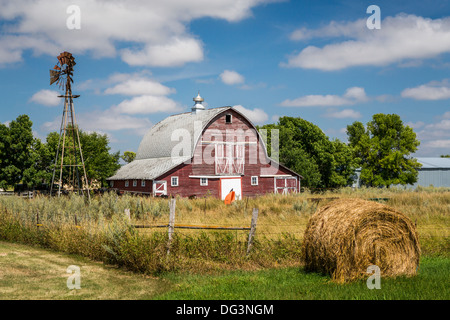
x,y
25,159
383,150
16,143
128,156
99,162
40,169
305,149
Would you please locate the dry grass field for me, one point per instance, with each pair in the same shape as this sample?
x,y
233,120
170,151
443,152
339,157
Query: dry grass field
x,y
104,233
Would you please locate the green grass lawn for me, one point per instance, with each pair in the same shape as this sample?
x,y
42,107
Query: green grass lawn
x,y
432,283
34,273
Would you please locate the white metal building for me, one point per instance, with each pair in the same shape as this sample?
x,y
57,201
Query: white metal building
x,y
434,172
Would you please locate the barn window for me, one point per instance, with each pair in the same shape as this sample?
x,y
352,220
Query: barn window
x,y
203,181
134,183
174,182
111,184
228,118
127,183
254,180
142,183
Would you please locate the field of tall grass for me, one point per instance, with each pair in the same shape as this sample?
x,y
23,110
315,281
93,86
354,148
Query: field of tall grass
x,y
101,231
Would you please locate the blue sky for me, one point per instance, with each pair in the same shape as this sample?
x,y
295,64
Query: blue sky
x,y
141,61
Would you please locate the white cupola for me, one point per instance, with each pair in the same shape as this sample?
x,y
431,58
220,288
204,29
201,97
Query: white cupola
x,y
198,106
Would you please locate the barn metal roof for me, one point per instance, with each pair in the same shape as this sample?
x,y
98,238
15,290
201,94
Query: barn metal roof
x,y
147,169
168,134
434,163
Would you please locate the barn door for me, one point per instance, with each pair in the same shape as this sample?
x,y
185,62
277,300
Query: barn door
x,y
285,185
159,188
228,184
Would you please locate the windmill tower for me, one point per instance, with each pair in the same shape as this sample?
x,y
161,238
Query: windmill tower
x,y
69,156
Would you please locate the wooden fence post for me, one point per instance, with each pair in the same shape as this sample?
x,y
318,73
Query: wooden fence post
x,y
171,222
252,229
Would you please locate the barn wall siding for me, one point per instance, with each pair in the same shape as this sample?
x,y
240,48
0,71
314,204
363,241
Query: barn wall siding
x,y
120,184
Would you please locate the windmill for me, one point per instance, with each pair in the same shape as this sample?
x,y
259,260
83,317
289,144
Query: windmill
x,y
69,156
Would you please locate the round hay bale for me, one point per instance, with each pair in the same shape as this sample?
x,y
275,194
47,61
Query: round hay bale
x,y
346,236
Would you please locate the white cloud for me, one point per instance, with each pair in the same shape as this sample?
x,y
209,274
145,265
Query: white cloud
x,y
315,100
256,115
333,29
140,86
434,137
155,33
149,96
47,98
439,144
172,54
346,113
356,94
275,118
107,121
402,37
415,125
117,78
103,121
435,90
351,96
146,104
231,77
444,124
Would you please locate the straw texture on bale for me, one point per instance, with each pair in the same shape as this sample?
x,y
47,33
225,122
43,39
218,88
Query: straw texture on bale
x,y
346,236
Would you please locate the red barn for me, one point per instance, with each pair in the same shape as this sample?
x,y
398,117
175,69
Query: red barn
x,y
204,152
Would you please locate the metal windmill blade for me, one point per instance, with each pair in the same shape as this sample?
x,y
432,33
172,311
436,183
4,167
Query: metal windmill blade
x,y
62,72
54,76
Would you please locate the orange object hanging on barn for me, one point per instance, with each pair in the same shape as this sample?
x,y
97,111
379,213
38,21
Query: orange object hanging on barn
x,y
229,198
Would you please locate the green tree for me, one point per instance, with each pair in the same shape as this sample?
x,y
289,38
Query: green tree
x,y
40,169
25,159
305,149
128,156
16,149
99,162
383,150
